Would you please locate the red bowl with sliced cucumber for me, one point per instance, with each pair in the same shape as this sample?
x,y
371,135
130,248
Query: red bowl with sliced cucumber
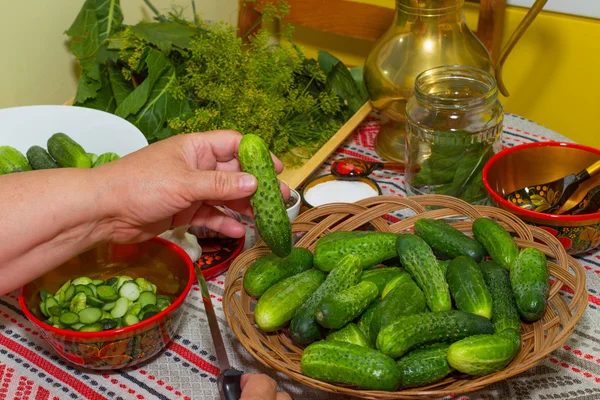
x,y
123,311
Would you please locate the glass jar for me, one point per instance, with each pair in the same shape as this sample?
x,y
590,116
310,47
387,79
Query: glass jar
x,y
454,126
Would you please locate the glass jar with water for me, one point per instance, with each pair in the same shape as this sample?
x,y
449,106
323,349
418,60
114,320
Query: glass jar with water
x,y
454,126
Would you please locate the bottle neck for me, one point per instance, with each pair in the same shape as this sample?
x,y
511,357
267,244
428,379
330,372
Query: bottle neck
x,y
448,9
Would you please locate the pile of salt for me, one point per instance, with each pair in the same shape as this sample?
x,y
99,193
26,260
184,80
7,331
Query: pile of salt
x,y
339,192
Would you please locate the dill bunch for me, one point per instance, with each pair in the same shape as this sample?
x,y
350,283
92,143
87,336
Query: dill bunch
x,y
174,76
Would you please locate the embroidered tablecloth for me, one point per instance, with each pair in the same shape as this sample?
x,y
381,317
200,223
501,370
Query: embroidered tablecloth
x,y
187,369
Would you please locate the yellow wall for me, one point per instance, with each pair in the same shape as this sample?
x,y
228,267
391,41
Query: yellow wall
x,y
36,66
552,74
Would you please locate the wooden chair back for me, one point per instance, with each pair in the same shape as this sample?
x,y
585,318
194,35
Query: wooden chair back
x,y
366,21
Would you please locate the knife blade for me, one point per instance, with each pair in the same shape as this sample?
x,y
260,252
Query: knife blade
x,y
229,380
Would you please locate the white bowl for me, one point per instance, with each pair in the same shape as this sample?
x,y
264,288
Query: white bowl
x,y
294,210
97,131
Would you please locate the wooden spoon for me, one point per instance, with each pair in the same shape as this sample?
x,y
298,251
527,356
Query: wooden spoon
x,y
552,195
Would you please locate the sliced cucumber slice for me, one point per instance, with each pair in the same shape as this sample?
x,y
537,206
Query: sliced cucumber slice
x,y
111,282
69,293
130,290
109,306
108,323
76,326
63,288
122,279
84,289
68,318
90,315
107,293
94,302
84,280
144,285
130,319
78,302
106,315
162,304
147,298
43,309
134,309
97,327
94,292
120,308
44,294
97,282
148,314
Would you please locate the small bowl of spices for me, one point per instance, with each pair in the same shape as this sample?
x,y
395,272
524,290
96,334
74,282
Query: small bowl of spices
x,y
292,204
327,189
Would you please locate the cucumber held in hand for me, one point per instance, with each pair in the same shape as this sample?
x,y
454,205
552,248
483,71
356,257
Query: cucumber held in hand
x,y
415,330
468,288
279,303
270,269
418,259
499,244
372,247
11,160
350,333
304,327
424,366
105,159
530,281
272,221
447,240
339,308
341,362
39,158
67,152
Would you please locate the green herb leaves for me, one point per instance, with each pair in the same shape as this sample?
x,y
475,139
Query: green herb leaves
x,y
455,166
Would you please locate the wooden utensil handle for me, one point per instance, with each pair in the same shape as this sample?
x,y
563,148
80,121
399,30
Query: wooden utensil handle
x,y
394,166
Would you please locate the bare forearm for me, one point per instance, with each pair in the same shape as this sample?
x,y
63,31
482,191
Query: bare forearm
x,y
47,217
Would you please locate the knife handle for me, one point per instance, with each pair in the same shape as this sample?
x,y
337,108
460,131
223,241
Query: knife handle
x,y
230,384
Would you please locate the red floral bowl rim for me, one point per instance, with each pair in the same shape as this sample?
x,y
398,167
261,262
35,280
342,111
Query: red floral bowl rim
x,y
528,213
128,329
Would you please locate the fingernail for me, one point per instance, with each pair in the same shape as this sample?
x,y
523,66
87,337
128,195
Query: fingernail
x,y
248,183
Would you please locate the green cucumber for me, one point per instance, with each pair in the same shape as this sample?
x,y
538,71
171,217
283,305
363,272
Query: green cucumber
x,y
104,159
410,331
93,157
366,320
484,354
403,299
303,327
418,259
67,152
443,264
371,247
530,281
468,288
277,305
424,366
447,241
350,333
381,276
271,216
505,315
499,244
12,160
337,309
39,158
270,269
341,362
396,281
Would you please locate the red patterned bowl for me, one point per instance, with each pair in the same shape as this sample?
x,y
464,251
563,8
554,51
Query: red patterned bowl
x,y
532,163
158,260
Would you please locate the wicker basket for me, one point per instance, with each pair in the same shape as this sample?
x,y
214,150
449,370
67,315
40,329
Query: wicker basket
x,y
539,339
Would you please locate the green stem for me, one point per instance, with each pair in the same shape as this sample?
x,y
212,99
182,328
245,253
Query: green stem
x,y
155,11
195,14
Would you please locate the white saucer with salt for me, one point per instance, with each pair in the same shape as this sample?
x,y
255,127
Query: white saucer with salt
x,y
338,191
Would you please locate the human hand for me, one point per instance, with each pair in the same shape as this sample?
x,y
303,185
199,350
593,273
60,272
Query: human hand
x,y
179,181
261,387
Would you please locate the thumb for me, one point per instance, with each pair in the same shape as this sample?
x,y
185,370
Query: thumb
x,y
221,185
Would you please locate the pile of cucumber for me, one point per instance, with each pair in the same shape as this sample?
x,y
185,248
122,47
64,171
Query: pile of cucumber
x,y
93,305
448,302
63,152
